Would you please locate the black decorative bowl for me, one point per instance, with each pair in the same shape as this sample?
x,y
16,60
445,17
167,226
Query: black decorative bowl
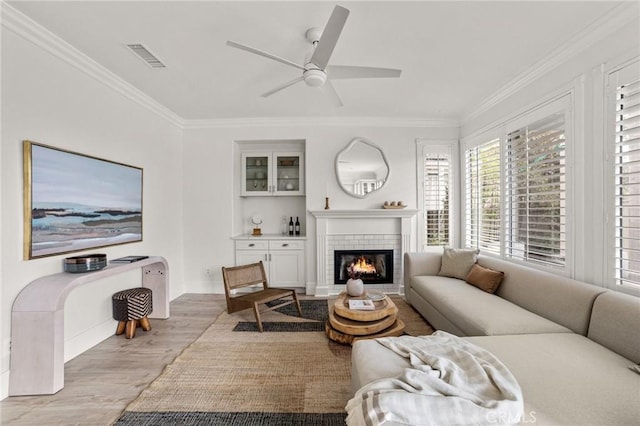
x,y
85,263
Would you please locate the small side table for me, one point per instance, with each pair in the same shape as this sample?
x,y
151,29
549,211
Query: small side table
x,y
349,325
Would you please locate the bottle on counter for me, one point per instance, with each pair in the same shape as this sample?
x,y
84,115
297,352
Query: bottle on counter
x,y
285,226
297,227
291,226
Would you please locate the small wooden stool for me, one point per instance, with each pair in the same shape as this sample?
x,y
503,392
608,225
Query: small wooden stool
x,y
130,308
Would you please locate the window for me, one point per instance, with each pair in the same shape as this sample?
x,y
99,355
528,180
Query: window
x,y
535,188
436,199
515,189
626,171
482,203
436,167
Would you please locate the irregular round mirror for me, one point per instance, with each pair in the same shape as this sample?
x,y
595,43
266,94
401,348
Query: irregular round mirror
x,y
361,168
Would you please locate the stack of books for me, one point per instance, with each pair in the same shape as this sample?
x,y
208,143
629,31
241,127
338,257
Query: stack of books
x,y
129,259
361,305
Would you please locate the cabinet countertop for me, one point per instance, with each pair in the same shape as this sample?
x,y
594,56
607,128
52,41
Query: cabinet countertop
x,y
268,237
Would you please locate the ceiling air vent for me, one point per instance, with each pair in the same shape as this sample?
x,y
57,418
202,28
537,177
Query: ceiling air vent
x,y
143,53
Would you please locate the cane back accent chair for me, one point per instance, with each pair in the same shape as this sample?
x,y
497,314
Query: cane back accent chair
x,y
236,277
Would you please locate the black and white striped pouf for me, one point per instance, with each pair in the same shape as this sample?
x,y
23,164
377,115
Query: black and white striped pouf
x,y
131,308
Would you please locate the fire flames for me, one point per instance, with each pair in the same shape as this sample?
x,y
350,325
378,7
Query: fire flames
x,y
360,266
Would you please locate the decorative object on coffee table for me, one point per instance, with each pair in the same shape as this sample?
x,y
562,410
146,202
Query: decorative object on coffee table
x,y
355,286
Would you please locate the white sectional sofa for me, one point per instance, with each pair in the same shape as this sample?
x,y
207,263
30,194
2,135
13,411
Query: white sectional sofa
x,y
572,346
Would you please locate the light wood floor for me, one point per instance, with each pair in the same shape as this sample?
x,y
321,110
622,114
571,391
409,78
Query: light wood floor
x,y
101,382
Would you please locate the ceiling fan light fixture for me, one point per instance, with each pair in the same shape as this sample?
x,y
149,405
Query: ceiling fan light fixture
x,y
314,77
316,62
313,35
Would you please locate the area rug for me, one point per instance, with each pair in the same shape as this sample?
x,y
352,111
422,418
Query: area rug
x,y
315,310
253,378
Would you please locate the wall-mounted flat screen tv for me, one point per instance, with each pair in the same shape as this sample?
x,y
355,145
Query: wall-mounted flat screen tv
x,y
75,202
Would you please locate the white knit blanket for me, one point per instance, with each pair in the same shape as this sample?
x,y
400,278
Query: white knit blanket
x,y
451,382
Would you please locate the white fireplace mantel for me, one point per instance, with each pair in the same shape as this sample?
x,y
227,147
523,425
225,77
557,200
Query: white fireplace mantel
x,y
372,221
366,214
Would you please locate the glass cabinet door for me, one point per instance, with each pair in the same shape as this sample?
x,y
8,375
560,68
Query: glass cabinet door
x,y
272,173
256,174
289,173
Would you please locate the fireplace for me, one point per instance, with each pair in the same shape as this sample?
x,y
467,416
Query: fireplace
x,y
373,266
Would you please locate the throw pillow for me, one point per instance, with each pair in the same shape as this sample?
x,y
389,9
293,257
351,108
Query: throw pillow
x,y
484,278
456,263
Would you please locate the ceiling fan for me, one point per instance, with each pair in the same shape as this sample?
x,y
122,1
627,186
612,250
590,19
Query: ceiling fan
x,y
316,72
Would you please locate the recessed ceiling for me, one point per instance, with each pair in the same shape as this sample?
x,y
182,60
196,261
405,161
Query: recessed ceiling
x,y
452,54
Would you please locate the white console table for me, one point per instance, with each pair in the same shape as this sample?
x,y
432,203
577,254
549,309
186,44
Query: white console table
x,y
37,322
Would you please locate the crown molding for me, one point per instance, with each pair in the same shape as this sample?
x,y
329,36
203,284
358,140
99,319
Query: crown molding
x,y
20,24
319,122
619,16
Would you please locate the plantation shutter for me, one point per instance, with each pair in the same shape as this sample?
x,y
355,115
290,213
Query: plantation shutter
x,y
482,196
436,198
535,186
627,181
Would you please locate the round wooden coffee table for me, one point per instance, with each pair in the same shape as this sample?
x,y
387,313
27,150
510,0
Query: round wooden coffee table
x,y
347,325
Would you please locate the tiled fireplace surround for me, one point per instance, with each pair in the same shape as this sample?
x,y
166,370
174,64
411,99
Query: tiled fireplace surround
x,y
373,229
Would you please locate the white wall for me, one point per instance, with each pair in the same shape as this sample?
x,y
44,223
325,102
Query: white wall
x,y
47,100
211,209
190,208
581,73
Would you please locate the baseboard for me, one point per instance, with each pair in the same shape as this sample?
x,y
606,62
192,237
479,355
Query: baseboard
x,y
4,385
204,287
79,343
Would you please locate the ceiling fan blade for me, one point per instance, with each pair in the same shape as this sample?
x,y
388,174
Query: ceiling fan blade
x,y
330,90
329,37
345,71
265,54
282,86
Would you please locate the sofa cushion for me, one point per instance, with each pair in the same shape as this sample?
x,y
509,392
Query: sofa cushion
x,y
456,263
371,361
431,313
567,379
560,299
477,312
421,263
615,323
484,278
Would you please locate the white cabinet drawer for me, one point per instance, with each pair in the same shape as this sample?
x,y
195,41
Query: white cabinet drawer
x,y
286,245
283,259
252,245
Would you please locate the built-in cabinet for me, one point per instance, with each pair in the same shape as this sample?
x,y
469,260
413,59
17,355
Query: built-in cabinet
x,y
271,191
283,258
272,173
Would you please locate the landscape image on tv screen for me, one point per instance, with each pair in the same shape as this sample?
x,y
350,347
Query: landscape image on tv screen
x,y
77,202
